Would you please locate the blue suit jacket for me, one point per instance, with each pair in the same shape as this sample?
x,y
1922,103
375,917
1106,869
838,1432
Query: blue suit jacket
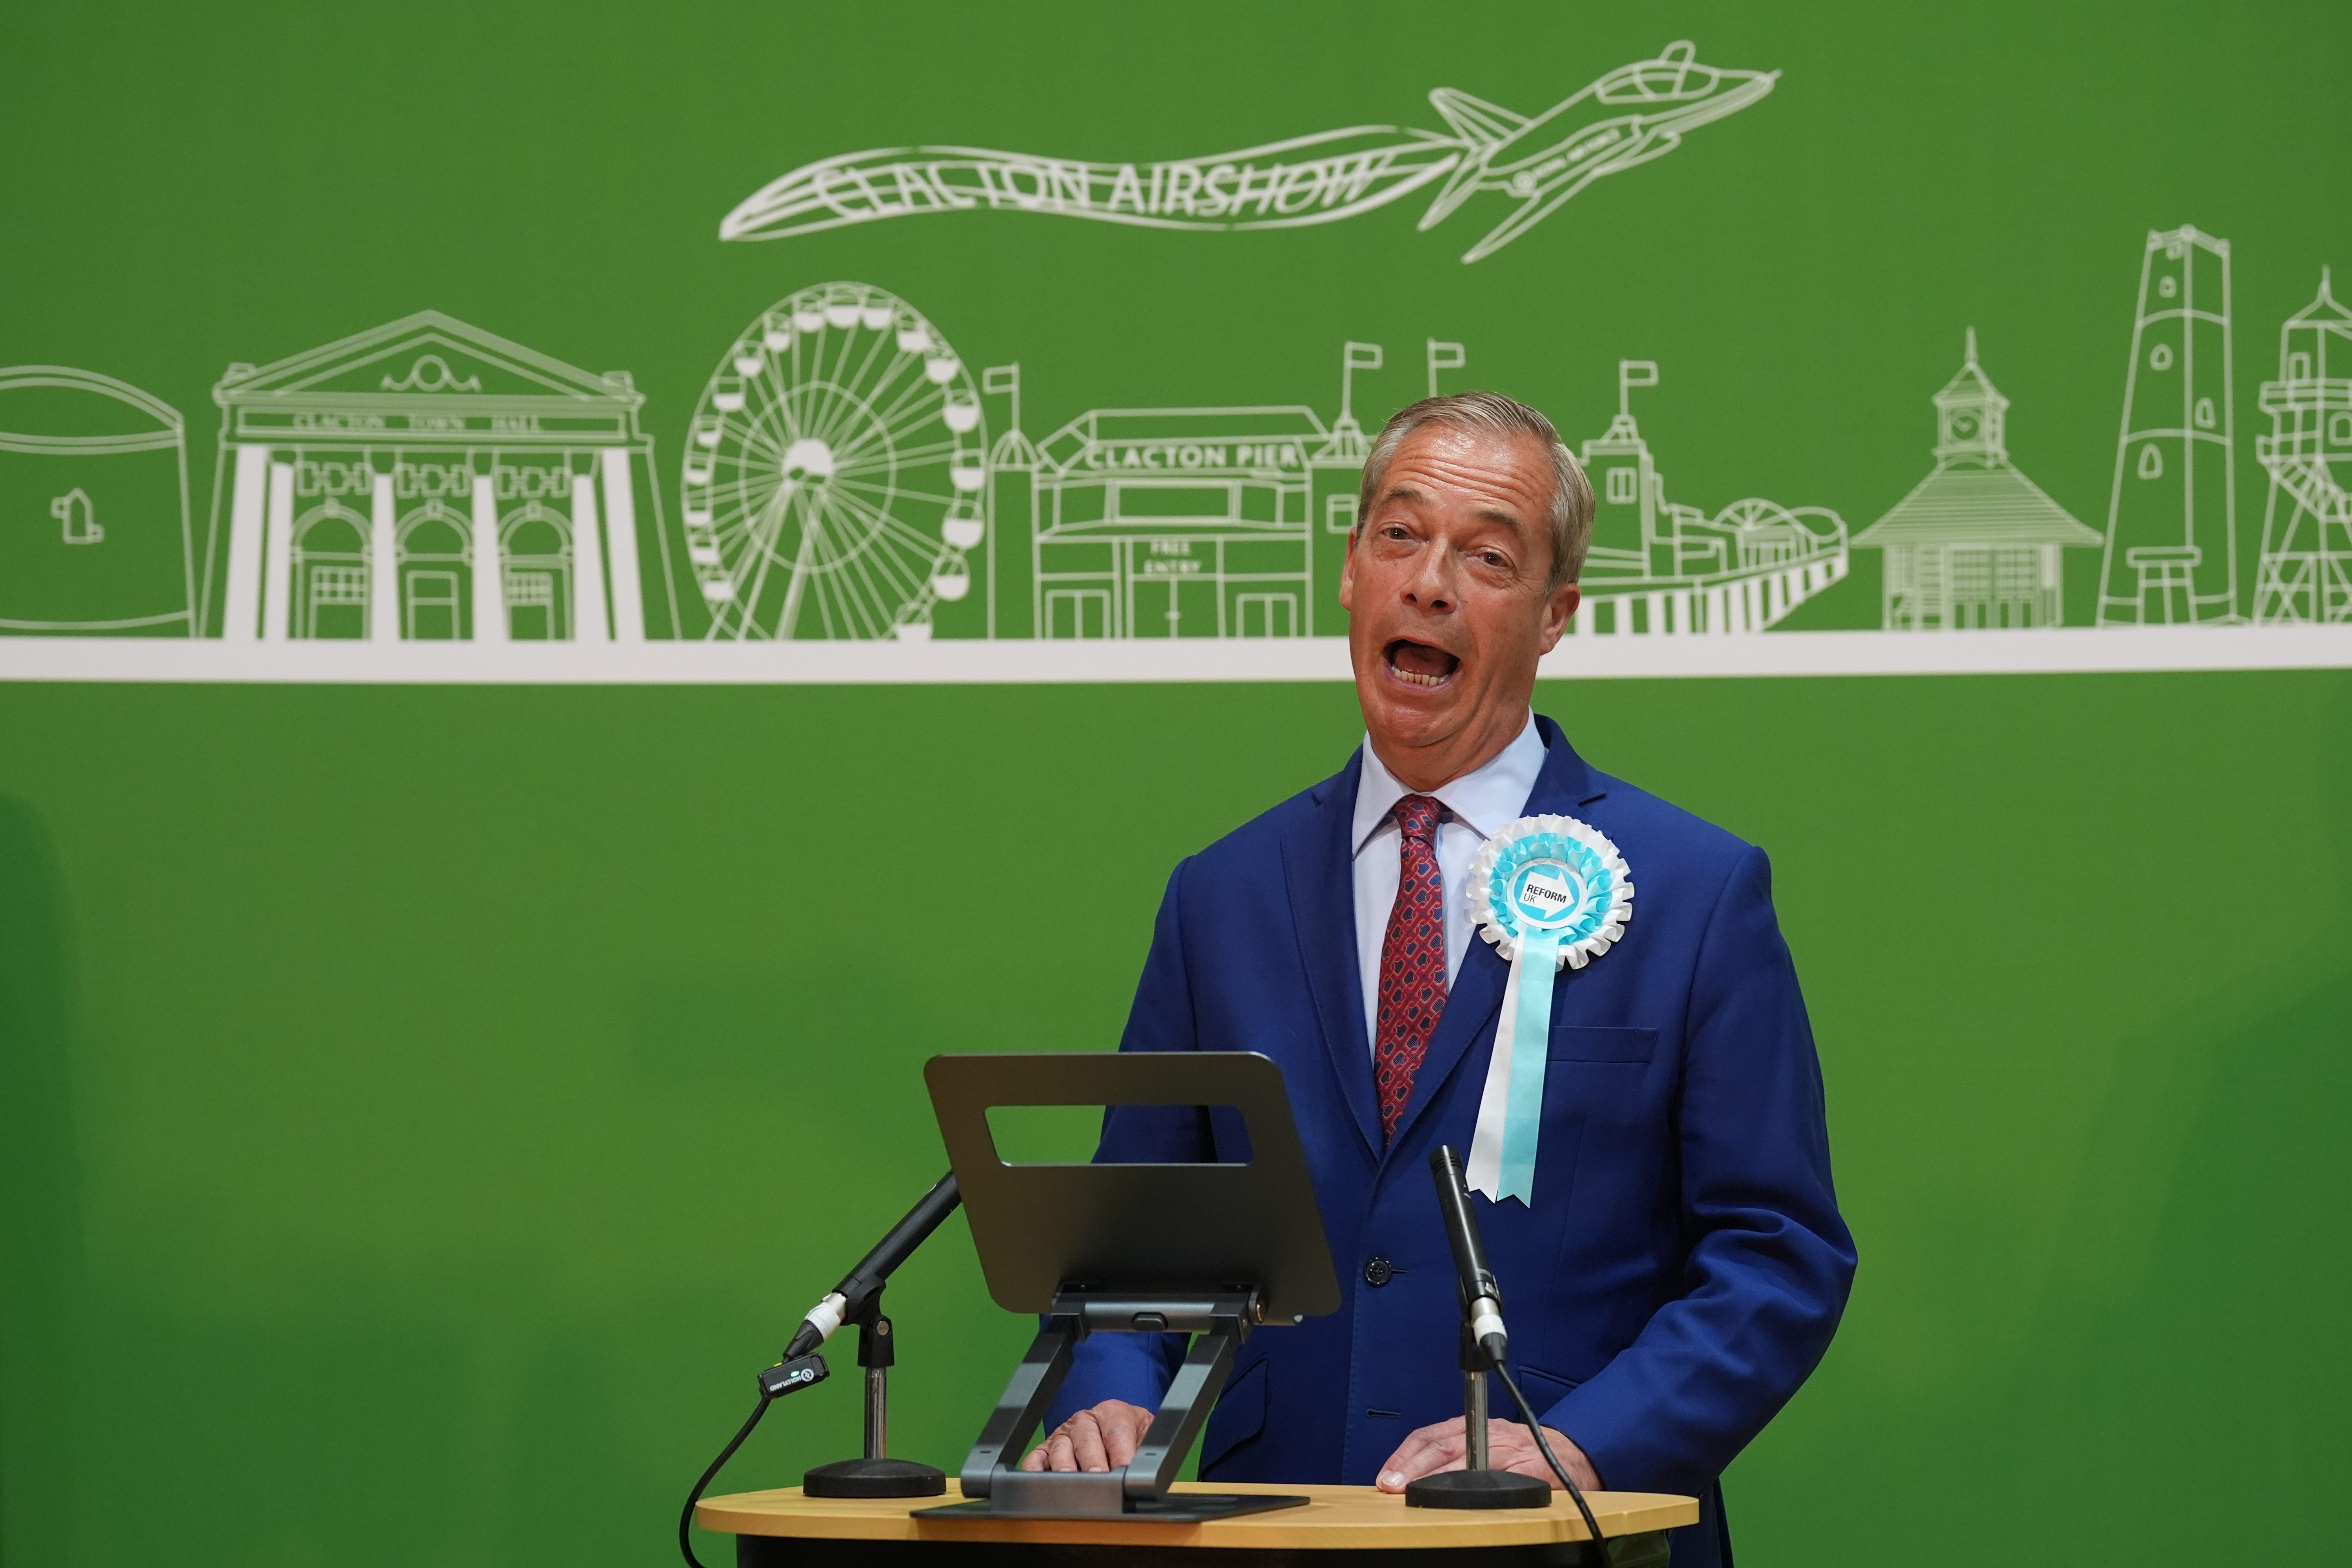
x,y
1684,1264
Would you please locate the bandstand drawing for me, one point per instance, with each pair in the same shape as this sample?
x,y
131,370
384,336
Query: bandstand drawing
x,y
1976,545
427,480
2305,571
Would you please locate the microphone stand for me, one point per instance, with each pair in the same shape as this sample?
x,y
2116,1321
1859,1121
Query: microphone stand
x,y
1475,1484
858,1299
874,1473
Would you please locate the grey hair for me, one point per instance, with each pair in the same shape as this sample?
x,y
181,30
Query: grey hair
x,y
1571,512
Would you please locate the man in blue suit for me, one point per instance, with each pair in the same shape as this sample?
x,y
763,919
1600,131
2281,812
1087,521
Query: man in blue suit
x,y
1679,1264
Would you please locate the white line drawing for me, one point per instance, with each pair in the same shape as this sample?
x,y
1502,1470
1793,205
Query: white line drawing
x,y
94,534
833,476
1443,356
1975,544
1660,569
1626,116
1156,662
427,480
2305,571
1176,522
2171,553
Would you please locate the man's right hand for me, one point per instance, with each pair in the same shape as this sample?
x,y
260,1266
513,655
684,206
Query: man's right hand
x,y
1102,1438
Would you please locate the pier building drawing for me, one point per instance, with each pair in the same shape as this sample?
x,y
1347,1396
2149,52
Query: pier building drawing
x,y
1660,568
2172,516
1171,523
94,535
429,481
1976,545
2304,570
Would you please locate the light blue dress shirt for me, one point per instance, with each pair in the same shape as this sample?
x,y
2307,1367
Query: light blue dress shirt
x,y
1478,806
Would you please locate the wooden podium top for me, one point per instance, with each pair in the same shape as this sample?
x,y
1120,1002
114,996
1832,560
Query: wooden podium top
x,y
1338,1518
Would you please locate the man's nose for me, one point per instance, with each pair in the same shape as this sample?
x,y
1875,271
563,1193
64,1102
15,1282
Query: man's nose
x,y
1431,585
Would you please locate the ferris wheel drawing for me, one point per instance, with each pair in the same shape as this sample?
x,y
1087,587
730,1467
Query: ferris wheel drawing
x,y
832,477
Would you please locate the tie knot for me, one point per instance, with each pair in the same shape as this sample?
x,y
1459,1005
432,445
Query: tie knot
x,y
1416,816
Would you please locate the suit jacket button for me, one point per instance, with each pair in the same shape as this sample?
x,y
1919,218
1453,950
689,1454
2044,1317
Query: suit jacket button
x,y
1377,1271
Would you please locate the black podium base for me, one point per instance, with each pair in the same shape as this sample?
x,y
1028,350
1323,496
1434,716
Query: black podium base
x,y
875,1477
1477,1489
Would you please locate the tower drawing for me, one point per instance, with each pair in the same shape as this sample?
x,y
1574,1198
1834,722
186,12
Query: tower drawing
x,y
1660,568
2305,571
2171,555
1975,544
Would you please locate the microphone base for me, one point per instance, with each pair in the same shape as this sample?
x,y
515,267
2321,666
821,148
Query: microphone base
x,y
875,1477
1477,1489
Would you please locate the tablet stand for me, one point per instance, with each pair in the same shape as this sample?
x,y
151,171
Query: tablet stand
x,y
1212,1250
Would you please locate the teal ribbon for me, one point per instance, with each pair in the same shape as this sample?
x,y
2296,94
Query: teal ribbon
x,y
1532,974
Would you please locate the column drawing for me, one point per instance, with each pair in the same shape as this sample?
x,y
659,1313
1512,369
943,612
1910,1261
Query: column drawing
x,y
440,443
241,618
621,550
488,564
2305,571
384,561
1976,545
2172,525
590,623
278,556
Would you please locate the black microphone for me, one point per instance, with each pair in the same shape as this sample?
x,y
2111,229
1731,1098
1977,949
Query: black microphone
x,y
1481,1296
846,1300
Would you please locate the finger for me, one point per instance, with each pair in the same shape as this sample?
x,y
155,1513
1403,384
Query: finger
x,y
1036,1459
1426,1452
1057,1451
1086,1443
1123,1434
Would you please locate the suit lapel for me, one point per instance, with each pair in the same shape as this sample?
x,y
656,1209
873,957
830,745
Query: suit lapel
x,y
1564,785
1319,869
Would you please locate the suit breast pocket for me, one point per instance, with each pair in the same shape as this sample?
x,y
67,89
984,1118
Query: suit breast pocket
x,y
1571,1043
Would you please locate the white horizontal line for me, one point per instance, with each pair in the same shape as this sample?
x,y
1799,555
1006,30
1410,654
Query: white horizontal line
x,y
2079,650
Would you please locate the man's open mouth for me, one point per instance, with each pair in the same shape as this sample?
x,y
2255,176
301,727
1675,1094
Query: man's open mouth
x,y
1417,664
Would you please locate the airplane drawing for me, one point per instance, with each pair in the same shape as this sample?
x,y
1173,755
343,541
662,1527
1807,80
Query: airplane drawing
x,y
1627,117
1545,161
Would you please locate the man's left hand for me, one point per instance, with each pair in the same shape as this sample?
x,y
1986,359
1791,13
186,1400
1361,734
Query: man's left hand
x,y
1509,1448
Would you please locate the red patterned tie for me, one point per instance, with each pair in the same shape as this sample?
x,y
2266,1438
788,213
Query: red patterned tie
x,y
1412,961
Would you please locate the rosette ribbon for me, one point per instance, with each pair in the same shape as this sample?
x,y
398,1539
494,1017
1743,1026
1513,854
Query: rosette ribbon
x,y
1550,893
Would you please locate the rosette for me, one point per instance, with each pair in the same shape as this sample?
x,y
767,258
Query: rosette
x,y
1550,893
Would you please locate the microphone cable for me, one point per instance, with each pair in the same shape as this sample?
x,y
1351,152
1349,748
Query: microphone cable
x,y
784,1377
1535,1428
686,1519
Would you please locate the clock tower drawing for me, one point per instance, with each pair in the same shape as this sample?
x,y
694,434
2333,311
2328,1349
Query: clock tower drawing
x,y
1976,545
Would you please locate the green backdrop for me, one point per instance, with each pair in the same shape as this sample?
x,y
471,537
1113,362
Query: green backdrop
x,y
422,1107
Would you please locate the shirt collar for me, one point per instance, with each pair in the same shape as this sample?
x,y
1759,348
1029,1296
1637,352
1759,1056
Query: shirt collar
x,y
1481,800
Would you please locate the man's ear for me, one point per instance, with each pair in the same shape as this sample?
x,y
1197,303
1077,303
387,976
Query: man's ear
x,y
1348,569
1559,608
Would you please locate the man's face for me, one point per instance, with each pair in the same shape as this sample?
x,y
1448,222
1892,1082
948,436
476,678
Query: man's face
x,y
1444,587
